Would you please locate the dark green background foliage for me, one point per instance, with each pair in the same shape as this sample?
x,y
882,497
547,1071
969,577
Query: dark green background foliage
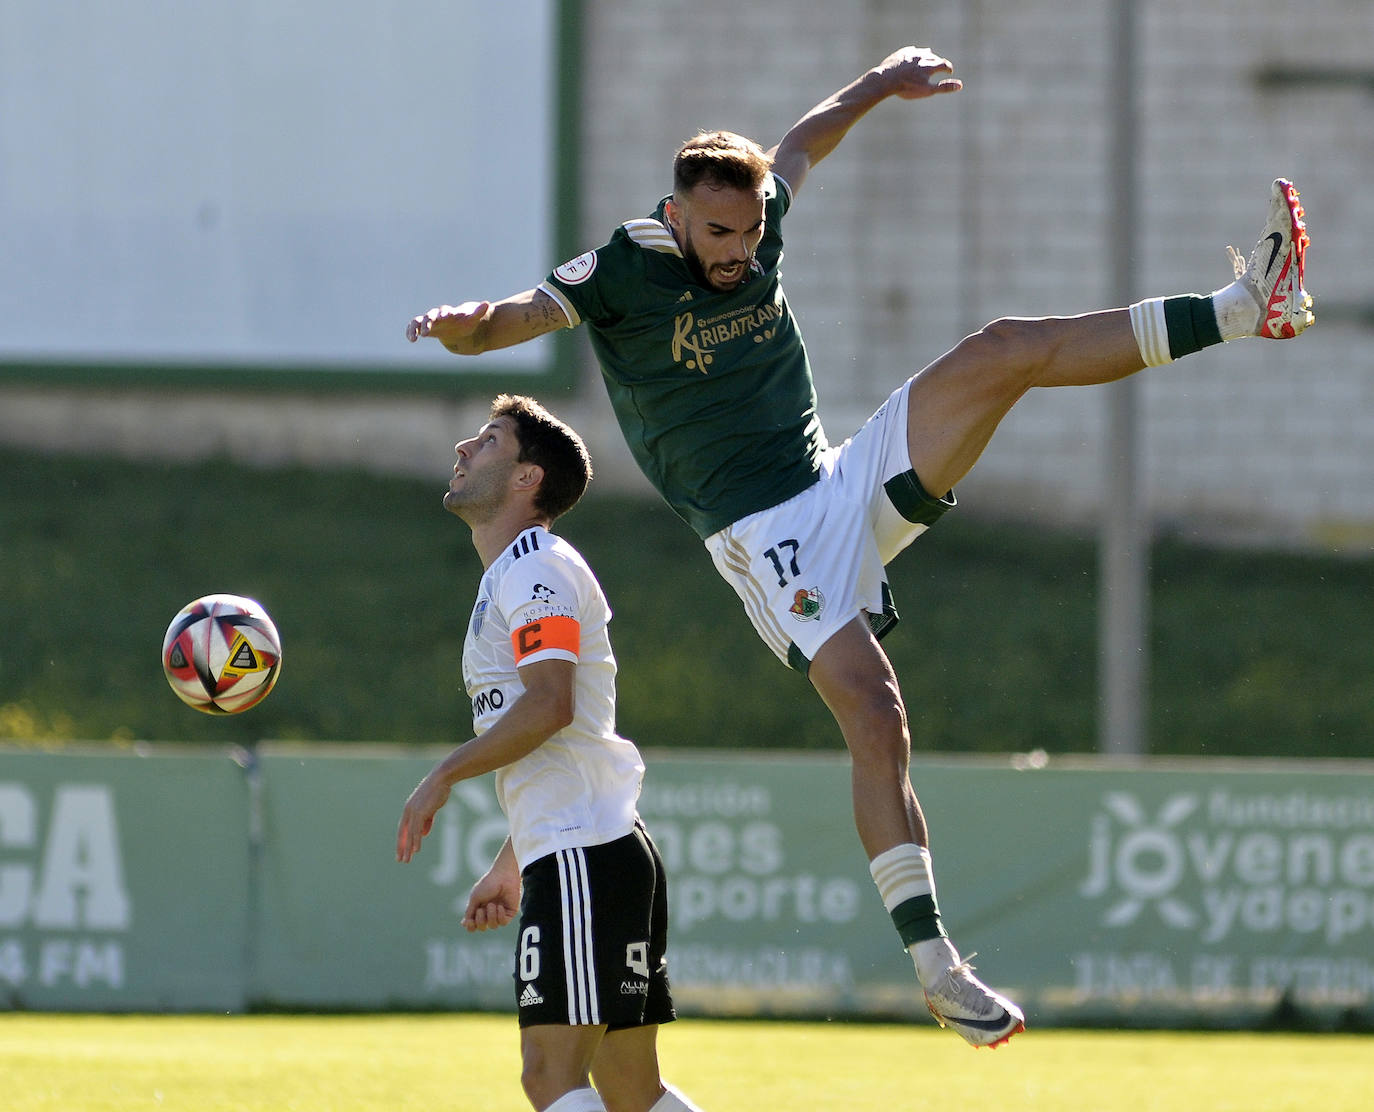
x,y
371,584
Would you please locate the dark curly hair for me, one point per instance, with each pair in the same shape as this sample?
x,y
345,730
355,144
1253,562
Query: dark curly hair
x,y
719,158
554,446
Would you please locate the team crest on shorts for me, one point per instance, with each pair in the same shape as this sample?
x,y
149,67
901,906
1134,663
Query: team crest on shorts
x,y
806,605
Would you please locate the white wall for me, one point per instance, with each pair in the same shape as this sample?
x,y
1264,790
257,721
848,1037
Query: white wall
x,y
265,183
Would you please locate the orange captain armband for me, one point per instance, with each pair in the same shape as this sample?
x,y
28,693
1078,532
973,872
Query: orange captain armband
x,y
558,632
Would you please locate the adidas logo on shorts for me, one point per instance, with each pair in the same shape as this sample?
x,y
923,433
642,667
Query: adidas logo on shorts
x,y
529,997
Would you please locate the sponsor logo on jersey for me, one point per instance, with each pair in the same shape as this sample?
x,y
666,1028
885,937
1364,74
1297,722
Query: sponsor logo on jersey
x,y
491,699
578,270
543,593
695,341
687,349
807,605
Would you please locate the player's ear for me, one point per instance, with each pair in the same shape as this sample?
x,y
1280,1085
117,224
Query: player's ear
x,y
528,476
674,214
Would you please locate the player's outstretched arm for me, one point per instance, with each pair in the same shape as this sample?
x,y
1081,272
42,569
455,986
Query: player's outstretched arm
x,y
911,73
477,326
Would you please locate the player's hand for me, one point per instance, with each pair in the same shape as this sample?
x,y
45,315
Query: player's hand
x,y
417,817
449,324
493,901
917,71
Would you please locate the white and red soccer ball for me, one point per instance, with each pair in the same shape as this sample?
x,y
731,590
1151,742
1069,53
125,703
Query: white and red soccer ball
x,y
222,654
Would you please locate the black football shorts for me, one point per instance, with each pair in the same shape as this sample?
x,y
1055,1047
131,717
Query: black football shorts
x,y
592,938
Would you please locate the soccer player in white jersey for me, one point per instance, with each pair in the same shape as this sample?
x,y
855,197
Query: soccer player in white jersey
x,y
578,868
709,379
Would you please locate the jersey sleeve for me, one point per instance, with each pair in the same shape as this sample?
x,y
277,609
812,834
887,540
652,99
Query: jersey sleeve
x,y
586,287
780,199
540,599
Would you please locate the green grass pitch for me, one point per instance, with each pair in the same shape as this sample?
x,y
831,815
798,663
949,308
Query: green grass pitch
x,y
278,1063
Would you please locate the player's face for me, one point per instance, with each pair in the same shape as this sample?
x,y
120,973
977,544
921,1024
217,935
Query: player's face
x,y
718,230
481,477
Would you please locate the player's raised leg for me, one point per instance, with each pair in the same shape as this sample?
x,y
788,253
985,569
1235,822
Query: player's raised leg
x,y
958,401
954,407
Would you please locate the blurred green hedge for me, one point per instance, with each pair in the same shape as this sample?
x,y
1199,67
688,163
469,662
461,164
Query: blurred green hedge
x,y
371,584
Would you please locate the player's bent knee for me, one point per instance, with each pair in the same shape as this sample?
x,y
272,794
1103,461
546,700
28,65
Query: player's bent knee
x,y
881,753
542,1077
868,708
872,706
1010,350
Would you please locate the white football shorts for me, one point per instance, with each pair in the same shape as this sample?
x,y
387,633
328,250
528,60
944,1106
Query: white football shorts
x,y
807,567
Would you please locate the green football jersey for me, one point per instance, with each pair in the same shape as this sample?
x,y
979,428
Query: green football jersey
x,y
713,391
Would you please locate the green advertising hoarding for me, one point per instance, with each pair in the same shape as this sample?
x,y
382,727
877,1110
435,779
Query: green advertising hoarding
x,y
766,896
342,924
1187,892
124,881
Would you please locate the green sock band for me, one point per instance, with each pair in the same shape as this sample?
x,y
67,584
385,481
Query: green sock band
x,y
1191,323
918,920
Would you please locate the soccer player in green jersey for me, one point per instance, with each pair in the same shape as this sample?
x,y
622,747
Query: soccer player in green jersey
x,y
710,382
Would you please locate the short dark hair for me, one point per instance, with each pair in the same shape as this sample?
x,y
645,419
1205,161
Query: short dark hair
x,y
719,158
554,446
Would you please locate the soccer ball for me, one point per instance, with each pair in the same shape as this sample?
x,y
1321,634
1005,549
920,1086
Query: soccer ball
x,y
222,654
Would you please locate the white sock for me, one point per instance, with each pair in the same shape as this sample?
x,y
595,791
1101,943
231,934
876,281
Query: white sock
x,y
1151,331
673,1101
1236,310
578,1100
902,873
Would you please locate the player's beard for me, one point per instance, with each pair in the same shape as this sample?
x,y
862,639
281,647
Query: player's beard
x,y
702,276
480,494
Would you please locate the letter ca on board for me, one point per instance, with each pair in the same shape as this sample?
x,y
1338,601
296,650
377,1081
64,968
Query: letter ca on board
x,y
74,879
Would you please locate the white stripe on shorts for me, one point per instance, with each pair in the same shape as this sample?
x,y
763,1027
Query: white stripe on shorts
x,y
755,598
579,963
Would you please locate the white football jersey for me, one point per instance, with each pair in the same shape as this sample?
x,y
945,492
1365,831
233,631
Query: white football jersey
x,y
539,601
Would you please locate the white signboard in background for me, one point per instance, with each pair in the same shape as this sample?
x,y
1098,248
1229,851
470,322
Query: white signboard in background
x,y
269,184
